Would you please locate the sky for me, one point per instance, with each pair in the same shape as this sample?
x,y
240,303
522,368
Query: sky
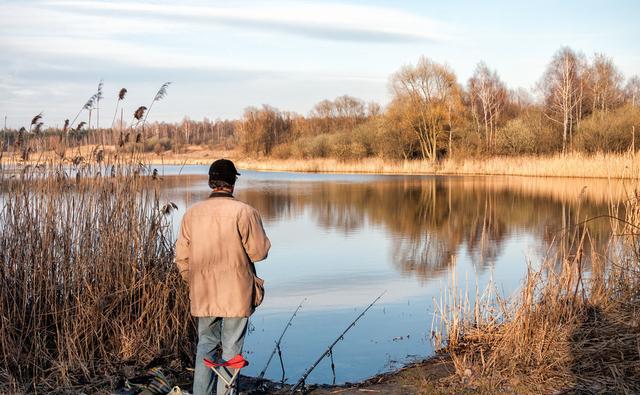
x,y
222,56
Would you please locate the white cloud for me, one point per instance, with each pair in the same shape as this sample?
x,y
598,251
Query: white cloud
x,y
290,54
332,21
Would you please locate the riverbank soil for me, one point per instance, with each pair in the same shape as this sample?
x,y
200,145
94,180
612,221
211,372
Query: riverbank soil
x,y
425,377
419,378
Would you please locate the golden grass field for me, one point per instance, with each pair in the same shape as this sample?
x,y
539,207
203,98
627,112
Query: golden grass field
x,y
611,165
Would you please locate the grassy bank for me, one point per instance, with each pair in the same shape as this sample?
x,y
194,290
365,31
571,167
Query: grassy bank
x,y
86,266
573,327
572,165
610,165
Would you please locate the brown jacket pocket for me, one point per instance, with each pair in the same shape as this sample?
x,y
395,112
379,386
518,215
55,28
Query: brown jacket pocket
x,y
258,291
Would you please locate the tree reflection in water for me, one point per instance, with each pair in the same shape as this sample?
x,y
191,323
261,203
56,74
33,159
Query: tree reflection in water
x,y
432,219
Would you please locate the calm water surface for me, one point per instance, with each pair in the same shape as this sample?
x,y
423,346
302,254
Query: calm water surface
x,y
341,240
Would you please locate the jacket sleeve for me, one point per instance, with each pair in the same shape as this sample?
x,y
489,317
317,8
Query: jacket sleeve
x,y
254,239
183,247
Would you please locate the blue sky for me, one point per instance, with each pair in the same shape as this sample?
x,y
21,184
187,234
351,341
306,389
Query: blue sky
x,y
224,56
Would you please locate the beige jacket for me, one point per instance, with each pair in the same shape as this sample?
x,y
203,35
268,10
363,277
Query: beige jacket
x,y
219,240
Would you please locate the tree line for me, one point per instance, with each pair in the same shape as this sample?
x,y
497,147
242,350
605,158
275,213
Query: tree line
x,y
580,103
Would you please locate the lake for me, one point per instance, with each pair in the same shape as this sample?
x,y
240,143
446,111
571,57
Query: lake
x,y
339,241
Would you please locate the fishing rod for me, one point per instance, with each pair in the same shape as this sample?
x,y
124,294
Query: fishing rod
x,y
277,347
329,350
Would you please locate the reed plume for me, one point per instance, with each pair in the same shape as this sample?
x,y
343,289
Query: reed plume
x,y
88,105
121,95
169,207
139,113
35,120
65,128
161,94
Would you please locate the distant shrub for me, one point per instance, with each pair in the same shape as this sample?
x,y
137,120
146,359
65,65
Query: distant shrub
x,y
157,149
179,148
516,137
158,145
610,131
467,142
282,151
230,142
365,136
346,146
394,141
318,147
132,147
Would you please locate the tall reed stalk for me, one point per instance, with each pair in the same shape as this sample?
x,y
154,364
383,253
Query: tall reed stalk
x,y
89,283
573,327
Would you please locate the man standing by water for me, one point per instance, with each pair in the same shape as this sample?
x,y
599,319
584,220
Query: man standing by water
x,y
220,239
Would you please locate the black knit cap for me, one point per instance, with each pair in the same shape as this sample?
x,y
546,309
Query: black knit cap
x,y
223,170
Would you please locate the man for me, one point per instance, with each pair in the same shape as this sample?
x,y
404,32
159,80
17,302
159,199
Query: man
x,y
220,239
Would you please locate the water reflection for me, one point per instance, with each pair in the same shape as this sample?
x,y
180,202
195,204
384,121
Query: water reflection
x,y
340,240
428,219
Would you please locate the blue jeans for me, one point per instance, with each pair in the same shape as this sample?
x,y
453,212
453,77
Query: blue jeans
x,y
213,331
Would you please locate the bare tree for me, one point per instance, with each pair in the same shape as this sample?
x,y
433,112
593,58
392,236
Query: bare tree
x,y
373,109
488,96
430,92
264,128
604,82
325,114
561,88
350,110
343,113
632,91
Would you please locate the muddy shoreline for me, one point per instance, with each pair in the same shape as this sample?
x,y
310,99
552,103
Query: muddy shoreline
x,y
414,378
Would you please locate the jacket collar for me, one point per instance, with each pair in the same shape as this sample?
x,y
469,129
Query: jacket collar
x,y
220,194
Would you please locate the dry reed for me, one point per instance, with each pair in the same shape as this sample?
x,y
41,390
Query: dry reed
x,y
573,165
89,284
574,326
576,165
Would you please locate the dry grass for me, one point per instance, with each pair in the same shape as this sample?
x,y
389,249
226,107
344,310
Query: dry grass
x,y
574,327
624,165
88,280
575,165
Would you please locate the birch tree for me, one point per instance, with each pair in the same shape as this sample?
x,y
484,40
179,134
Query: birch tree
x,y
604,82
488,95
632,91
561,89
